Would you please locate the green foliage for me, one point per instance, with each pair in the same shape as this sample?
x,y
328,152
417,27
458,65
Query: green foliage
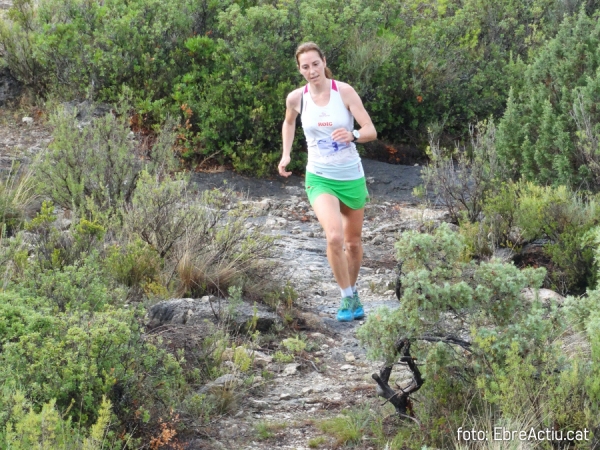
x,y
71,46
522,212
96,162
282,357
548,123
77,357
514,350
47,429
226,67
349,426
437,282
136,265
294,345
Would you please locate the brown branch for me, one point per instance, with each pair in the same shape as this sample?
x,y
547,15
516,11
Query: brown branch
x,y
447,340
401,399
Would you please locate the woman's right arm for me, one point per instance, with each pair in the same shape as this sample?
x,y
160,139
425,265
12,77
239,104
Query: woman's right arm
x,y
288,129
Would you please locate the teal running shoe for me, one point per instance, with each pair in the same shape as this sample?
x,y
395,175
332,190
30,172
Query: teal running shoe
x,y
357,307
344,314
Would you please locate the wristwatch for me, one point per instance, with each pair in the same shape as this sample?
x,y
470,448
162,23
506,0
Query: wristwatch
x,y
356,135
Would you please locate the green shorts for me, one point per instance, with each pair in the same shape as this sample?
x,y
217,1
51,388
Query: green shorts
x,y
352,193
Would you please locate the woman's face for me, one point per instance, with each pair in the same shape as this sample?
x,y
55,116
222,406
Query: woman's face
x,y
311,66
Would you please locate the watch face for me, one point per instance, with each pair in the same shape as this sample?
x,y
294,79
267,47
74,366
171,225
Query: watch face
x,y
356,134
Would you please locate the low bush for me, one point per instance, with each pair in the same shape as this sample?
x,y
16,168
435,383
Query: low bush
x,y
99,161
484,345
464,185
518,213
77,357
49,429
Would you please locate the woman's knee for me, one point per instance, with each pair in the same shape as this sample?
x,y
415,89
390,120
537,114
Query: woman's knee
x,y
335,240
353,245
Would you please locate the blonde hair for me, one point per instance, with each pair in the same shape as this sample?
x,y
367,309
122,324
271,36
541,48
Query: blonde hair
x,y
310,46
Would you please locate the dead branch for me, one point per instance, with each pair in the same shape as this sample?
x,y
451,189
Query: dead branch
x,y
401,399
447,339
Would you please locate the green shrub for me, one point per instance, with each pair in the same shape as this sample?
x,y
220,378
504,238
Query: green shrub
x,y
517,213
504,339
70,46
294,345
48,429
538,134
78,357
136,265
98,162
161,212
349,426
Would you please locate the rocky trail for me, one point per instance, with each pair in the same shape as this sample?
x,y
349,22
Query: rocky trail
x,y
284,410
335,375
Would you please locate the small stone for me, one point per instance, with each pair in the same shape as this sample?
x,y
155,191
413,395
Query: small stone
x,y
324,346
346,367
258,404
378,240
349,357
227,379
307,390
291,369
389,292
370,180
27,120
285,396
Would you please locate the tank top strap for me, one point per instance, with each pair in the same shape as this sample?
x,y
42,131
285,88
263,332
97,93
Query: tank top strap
x,y
303,102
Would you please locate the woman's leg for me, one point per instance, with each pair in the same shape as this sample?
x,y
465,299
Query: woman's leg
x,y
329,212
352,222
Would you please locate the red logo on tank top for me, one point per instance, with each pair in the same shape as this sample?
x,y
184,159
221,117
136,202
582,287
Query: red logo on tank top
x,y
325,124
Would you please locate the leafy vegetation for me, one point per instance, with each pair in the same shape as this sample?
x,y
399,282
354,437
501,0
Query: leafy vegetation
x,y
224,69
500,96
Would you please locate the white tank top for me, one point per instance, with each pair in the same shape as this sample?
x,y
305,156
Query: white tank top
x,y
326,157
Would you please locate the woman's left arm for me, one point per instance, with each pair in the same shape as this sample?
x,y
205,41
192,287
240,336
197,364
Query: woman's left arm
x,y
355,105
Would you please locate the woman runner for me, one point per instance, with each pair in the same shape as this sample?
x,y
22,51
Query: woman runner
x,y
335,181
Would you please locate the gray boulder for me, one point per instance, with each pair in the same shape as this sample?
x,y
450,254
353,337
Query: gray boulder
x,y
190,311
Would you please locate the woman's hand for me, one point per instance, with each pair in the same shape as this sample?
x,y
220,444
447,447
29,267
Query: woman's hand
x,y
342,135
285,160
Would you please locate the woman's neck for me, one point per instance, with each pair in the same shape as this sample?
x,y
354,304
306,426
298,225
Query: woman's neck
x,y
321,87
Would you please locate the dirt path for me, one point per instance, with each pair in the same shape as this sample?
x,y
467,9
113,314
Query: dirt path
x,y
289,411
